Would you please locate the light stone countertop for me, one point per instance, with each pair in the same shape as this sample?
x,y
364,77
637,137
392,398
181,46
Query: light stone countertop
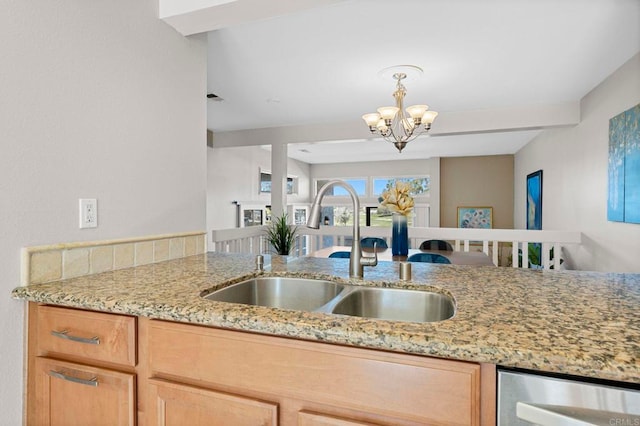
x,y
570,322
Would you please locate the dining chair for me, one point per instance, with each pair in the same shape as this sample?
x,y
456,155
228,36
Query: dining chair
x,y
368,242
340,254
428,257
435,245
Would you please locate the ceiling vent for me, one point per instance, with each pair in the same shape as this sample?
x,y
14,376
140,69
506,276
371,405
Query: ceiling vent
x,y
214,97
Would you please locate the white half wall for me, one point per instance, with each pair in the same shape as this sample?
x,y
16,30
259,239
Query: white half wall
x,y
574,162
233,175
98,100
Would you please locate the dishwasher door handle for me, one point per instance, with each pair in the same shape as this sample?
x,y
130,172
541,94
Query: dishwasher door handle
x,y
559,415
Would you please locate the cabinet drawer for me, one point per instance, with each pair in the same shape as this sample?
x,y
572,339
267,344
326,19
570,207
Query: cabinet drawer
x,y
75,394
177,405
91,335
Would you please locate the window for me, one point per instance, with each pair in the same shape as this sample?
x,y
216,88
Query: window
x,y
359,185
419,185
265,183
340,215
381,217
300,216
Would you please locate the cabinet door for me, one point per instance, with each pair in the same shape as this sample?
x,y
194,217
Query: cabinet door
x,y
71,394
177,405
312,419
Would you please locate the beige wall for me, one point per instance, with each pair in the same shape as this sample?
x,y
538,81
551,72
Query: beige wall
x,y
477,181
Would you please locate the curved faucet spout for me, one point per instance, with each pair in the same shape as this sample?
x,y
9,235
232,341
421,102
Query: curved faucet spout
x,y
356,260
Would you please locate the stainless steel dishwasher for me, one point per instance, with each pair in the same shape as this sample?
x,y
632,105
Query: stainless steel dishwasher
x,y
531,399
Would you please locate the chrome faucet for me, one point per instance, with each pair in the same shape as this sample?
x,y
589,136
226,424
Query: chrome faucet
x,y
356,260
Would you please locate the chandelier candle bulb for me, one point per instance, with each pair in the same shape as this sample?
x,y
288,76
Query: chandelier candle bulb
x,y
417,111
388,113
372,119
428,117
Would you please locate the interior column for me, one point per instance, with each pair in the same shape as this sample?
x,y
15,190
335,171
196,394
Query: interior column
x,y
278,179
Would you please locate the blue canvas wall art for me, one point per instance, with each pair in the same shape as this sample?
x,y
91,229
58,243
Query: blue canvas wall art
x,y
534,200
475,217
623,204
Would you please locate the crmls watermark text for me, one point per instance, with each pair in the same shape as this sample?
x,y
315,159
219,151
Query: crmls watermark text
x,y
628,421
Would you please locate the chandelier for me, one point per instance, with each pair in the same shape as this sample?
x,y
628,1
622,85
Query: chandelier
x,y
394,125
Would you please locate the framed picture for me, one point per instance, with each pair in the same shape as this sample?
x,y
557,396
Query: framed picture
x,y
475,217
623,203
534,200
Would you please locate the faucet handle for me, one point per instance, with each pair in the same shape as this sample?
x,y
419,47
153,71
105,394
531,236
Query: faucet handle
x,y
259,262
370,260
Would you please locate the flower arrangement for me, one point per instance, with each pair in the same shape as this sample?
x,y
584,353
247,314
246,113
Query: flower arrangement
x,y
397,198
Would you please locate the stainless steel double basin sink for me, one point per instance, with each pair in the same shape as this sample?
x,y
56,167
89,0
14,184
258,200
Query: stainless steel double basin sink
x,y
334,298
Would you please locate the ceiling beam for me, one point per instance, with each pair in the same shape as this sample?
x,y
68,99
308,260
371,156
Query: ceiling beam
x,y
448,123
198,16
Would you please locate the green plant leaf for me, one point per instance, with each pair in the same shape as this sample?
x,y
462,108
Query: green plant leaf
x,y
280,235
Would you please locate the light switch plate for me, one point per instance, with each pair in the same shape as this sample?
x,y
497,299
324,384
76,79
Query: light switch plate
x,y
88,213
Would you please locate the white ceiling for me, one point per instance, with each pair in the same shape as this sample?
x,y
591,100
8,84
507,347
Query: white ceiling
x,y
321,65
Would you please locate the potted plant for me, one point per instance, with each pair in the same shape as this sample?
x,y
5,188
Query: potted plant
x,y
280,235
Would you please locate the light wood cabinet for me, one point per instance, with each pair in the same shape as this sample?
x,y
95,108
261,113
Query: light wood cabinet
x,y
73,394
88,367
312,419
81,368
93,336
187,405
346,385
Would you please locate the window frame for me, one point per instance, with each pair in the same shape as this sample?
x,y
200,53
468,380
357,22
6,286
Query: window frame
x,y
366,181
422,196
290,178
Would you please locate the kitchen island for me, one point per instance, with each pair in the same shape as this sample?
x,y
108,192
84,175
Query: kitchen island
x,y
163,354
576,323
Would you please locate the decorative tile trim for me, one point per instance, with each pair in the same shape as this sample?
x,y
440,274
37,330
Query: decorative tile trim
x,y
42,264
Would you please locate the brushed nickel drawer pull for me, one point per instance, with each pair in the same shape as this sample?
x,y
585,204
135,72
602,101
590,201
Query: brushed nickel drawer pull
x,y
64,334
58,375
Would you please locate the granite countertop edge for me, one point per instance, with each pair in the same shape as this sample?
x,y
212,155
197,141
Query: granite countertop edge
x,y
171,291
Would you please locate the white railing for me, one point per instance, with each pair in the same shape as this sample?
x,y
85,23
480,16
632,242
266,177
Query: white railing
x,y
493,242
240,240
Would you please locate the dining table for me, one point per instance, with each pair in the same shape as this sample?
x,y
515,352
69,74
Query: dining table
x,y
477,258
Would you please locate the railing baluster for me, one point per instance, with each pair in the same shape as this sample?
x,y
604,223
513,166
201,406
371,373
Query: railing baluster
x,y
546,264
525,255
495,251
514,254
